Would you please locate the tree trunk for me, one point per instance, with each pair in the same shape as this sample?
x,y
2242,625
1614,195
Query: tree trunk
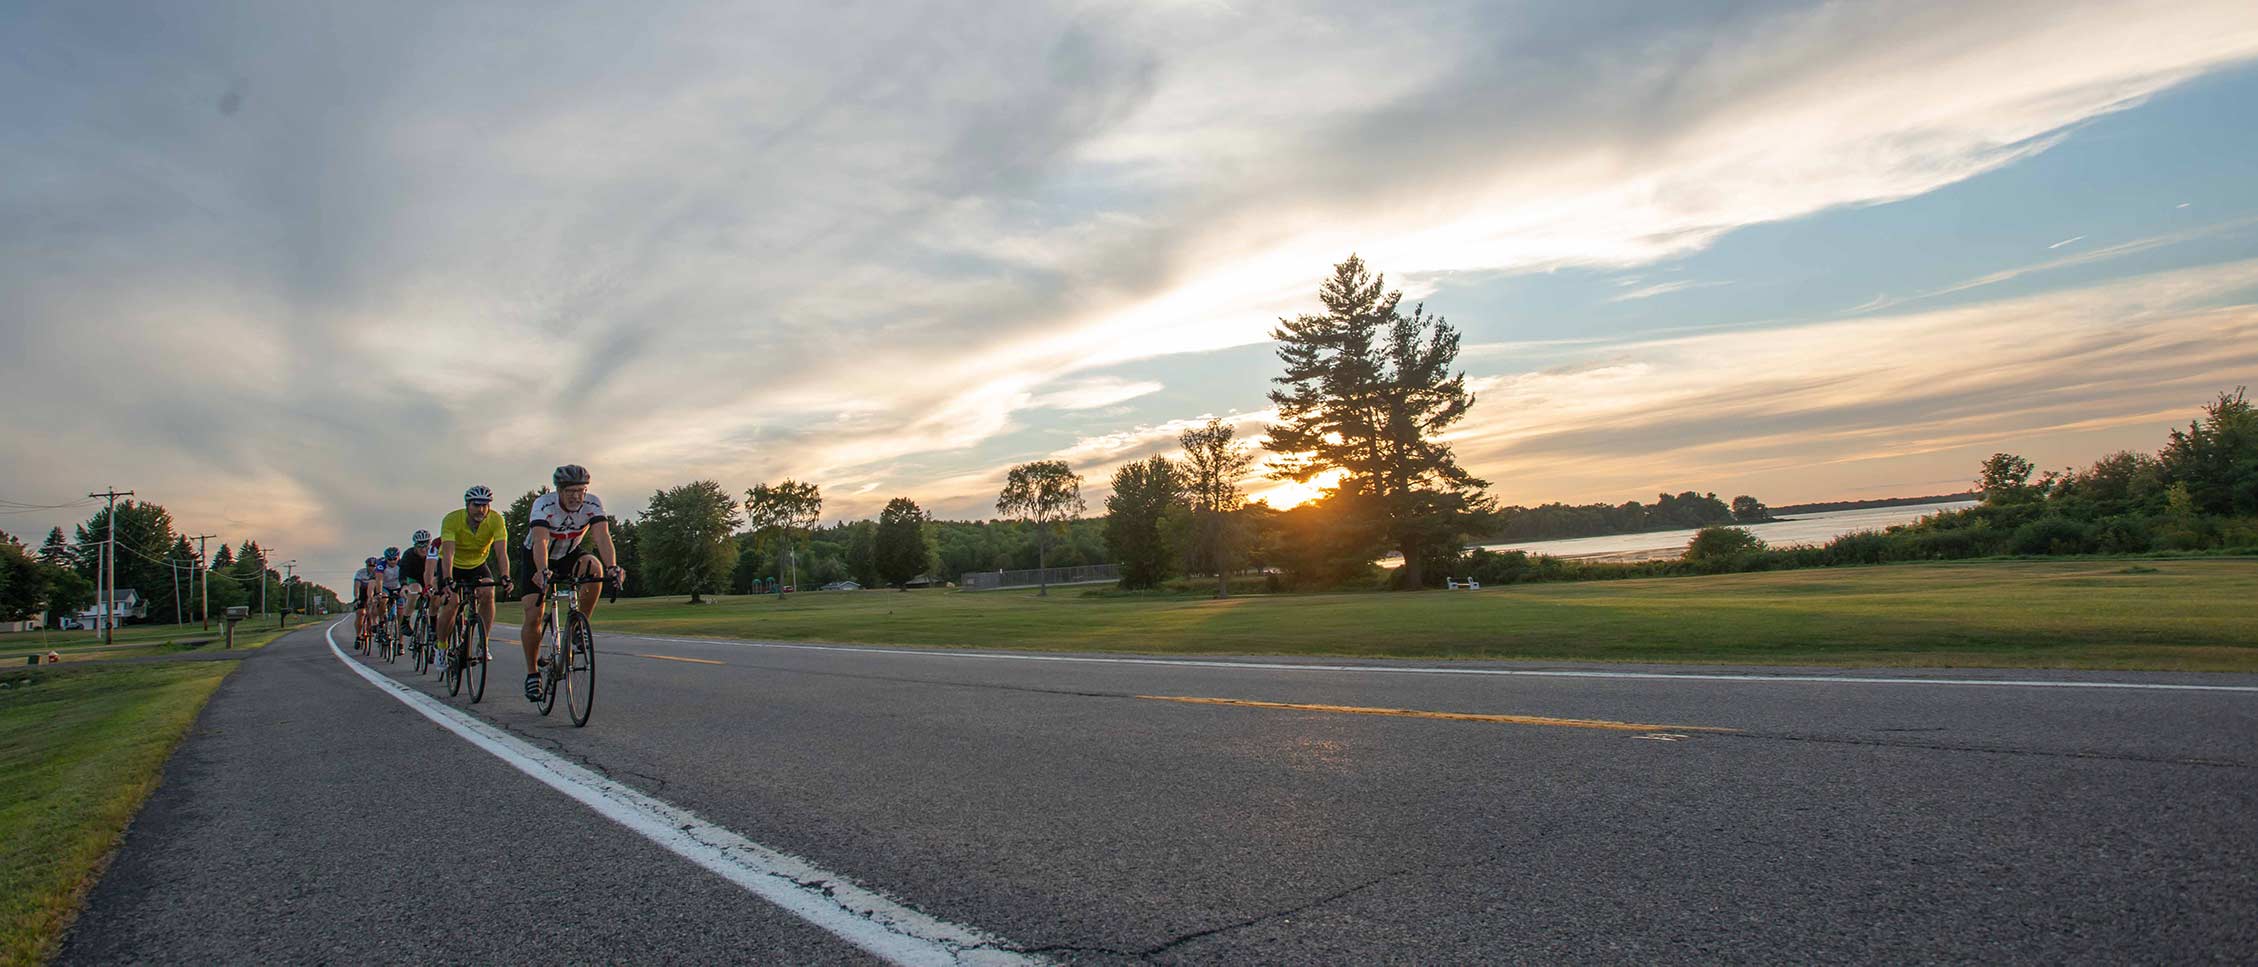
x,y
1042,567
1413,576
1215,554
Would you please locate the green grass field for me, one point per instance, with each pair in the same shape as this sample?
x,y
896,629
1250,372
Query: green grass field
x,y
2179,615
134,641
80,748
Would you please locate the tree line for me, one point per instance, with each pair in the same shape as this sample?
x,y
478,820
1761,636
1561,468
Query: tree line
x,y
1683,511
2198,493
1368,393
153,559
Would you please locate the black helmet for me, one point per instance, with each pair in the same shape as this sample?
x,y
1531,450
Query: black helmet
x,y
570,475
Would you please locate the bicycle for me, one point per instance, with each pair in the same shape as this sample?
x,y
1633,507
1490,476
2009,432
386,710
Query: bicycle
x,y
568,658
421,634
466,658
388,630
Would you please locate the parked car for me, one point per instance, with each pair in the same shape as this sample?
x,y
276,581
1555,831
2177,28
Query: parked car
x,y
841,586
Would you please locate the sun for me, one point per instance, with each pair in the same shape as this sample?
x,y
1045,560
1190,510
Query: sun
x,y
1293,493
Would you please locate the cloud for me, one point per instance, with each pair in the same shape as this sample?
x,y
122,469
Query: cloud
x,y
1663,288
2066,241
1839,406
1092,394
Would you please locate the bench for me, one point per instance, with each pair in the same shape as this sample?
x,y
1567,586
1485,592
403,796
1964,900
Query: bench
x,y
1455,584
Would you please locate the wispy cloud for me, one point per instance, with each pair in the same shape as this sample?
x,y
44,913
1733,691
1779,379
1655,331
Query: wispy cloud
x,y
1664,288
1837,406
2066,241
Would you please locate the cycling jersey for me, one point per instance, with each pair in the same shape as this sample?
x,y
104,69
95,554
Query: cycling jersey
x,y
411,565
472,546
565,526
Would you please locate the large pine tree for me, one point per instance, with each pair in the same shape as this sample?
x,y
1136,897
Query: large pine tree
x,y
56,552
1367,391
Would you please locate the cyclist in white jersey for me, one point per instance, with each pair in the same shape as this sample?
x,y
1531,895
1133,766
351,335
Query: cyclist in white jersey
x,y
567,536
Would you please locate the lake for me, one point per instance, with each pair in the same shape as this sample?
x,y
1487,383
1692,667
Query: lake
x,y
1804,529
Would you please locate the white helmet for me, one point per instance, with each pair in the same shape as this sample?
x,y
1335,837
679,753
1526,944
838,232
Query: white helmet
x,y
477,494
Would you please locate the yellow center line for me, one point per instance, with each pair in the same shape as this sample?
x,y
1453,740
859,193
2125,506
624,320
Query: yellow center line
x,y
701,661
1452,716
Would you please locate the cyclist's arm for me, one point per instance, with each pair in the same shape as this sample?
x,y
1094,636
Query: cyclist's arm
x,y
540,555
600,533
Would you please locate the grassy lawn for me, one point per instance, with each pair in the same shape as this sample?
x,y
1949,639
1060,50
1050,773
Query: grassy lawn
x,y
133,641
80,748
2180,615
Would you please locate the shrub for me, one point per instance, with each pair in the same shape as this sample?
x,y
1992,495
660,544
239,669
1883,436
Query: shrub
x,y
2052,535
2122,535
1715,549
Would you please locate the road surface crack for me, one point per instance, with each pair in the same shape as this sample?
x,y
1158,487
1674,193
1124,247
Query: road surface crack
x,y
1172,943
1990,749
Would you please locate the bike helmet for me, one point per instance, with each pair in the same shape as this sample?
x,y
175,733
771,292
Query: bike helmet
x,y
570,475
478,494
371,562
391,553
422,537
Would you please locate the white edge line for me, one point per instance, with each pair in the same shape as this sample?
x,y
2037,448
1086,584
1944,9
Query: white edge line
x,y
1431,670
863,917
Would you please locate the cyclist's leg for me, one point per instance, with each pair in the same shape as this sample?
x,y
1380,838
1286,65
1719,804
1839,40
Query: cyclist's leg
x,y
588,566
491,569
449,600
528,633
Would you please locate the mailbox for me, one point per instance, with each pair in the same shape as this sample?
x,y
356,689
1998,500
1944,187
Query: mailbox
x,y
235,614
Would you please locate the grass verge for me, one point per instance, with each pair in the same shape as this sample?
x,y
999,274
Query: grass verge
x,y
2169,615
135,641
80,748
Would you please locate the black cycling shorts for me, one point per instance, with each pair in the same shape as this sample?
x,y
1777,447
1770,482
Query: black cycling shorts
x,y
487,568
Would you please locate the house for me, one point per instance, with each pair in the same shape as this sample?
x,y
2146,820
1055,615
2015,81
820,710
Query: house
x,y
33,623
127,607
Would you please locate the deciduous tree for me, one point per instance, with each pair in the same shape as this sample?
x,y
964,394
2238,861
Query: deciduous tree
x,y
782,514
1144,492
900,549
1045,494
685,536
1213,464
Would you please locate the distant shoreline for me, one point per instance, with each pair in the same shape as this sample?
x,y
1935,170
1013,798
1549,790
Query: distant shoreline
x,y
1823,507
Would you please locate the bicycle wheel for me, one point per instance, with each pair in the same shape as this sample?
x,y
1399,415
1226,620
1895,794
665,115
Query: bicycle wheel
x,y
474,660
415,643
453,673
548,673
579,657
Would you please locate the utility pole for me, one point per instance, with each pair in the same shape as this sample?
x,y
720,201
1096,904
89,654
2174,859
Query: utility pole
x,y
109,565
204,610
174,567
282,615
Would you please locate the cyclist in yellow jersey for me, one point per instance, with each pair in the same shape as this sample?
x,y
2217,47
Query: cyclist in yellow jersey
x,y
468,541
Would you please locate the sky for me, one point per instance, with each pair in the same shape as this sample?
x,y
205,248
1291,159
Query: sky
x,y
302,272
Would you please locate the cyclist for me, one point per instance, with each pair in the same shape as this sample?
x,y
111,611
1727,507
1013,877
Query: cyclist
x,y
391,596
415,571
467,541
360,602
567,537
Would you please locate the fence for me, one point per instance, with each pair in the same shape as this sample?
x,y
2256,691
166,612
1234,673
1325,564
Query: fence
x,y
1085,574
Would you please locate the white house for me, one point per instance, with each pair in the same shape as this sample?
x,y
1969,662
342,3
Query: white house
x,y
128,607
33,623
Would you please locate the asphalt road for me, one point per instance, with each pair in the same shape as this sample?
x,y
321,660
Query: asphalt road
x,y
1083,811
